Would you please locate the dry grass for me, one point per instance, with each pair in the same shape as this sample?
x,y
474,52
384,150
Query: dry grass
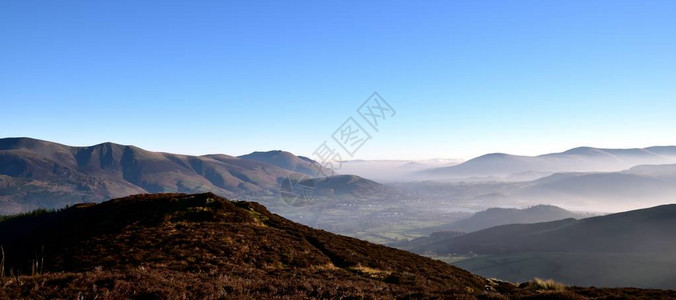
x,y
546,285
326,267
371,272
176,246
208,242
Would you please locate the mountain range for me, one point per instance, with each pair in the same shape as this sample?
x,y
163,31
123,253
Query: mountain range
x,y
583,159
41,174
638,187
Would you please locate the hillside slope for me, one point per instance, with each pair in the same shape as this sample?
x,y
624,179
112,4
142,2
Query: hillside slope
x,y
203,246
288,161
633,248
161,244
351,185
502,216
645,230
40,174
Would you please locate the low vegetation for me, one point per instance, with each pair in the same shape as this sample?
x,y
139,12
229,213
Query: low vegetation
x,y
176,246
34,213
203,246
545,285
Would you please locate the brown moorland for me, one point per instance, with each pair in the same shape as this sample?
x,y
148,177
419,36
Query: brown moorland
x,y
159,246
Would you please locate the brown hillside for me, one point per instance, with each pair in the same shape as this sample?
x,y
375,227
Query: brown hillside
x,y
203,246
164,244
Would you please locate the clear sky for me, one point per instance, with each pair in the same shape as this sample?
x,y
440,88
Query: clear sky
x,y
465,77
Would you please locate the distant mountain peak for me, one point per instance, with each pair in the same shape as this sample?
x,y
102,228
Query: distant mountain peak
x,y
583,150
495,155
497,166
288,161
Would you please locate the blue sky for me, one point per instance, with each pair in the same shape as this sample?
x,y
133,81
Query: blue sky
x,y
465,77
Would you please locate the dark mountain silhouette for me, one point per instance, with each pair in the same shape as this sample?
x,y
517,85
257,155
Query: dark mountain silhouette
x,y
501,216
203,246
645,230
583,159
40,174
633,248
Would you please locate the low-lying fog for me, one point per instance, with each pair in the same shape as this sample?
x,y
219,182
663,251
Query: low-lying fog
x,y
580,179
